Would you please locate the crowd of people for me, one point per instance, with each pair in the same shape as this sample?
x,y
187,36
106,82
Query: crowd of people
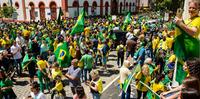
x,y
148,48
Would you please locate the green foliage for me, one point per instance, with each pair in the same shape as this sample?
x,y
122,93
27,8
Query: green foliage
x,y
171,5
6,11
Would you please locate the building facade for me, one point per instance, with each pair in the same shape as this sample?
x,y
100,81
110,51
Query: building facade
x,y
49,9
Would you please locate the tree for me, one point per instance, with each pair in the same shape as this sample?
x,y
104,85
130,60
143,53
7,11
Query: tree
x,y
6,11
170,5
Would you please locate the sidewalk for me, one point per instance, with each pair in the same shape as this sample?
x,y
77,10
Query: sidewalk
x,y
22,88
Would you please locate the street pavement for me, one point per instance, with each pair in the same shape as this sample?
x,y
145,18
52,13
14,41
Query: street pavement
x,y
22,87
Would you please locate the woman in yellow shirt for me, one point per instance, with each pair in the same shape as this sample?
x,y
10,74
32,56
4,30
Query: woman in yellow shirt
x,y
143,76
191,25
42,73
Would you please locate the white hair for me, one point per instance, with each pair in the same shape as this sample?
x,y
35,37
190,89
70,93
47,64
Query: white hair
x,y
148,60
126,63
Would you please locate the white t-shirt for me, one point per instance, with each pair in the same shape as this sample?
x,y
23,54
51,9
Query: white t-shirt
x,y
20,41
40,95
16,49
124,72
129,35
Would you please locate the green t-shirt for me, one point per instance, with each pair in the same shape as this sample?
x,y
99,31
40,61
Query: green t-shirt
x,y
6,83
166,80
87,61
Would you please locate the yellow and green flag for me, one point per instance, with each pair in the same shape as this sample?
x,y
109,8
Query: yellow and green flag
x,y
185,46
127,21
25,61
62,55
79,26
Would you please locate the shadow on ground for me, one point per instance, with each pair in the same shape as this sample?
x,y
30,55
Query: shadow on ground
x,y
22,83
112,55
108,72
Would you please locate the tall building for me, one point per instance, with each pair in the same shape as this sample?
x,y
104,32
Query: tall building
x,y
49,9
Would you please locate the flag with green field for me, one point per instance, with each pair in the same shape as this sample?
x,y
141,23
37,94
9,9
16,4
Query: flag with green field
x,y
62,55
186,46
180,73
126,21
25,61
79,26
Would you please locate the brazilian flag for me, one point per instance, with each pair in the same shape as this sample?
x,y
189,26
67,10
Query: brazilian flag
x,y
127,21
62,55
79,26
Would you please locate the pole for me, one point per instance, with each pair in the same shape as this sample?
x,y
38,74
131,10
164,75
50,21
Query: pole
x,y
174,82
149,88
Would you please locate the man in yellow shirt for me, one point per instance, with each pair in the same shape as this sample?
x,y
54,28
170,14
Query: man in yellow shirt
x,y
155,42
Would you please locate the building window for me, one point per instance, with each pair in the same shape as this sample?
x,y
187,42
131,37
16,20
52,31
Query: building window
x,y
120,9
16,5
32,11
42,10
4,4
94,8
53,10
106,8
86,5
76,8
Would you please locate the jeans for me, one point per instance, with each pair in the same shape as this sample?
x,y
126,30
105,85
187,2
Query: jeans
x,y
96,95
140,94
128,53
120,59
104,60
17,63
86,72
127,94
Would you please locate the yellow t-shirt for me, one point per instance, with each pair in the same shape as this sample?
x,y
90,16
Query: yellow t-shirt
x,y
155,43
172,58
26,33
41,64
56,73
194,23
169,41
158,87
87,31
72,51
144,79
99,84
58,86
164,45
164,33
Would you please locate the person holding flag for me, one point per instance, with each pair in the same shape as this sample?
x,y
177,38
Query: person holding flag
x,y
143,76
124,73
192,25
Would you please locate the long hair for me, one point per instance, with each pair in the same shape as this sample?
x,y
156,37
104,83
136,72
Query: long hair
x,y
80,92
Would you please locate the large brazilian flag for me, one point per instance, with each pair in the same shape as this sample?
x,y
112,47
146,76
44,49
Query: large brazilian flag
x,y
79,26
62,55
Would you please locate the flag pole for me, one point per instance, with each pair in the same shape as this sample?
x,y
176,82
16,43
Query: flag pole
x,y
174,82
149,88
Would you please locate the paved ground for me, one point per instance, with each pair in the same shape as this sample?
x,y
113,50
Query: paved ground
x,y
22,88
